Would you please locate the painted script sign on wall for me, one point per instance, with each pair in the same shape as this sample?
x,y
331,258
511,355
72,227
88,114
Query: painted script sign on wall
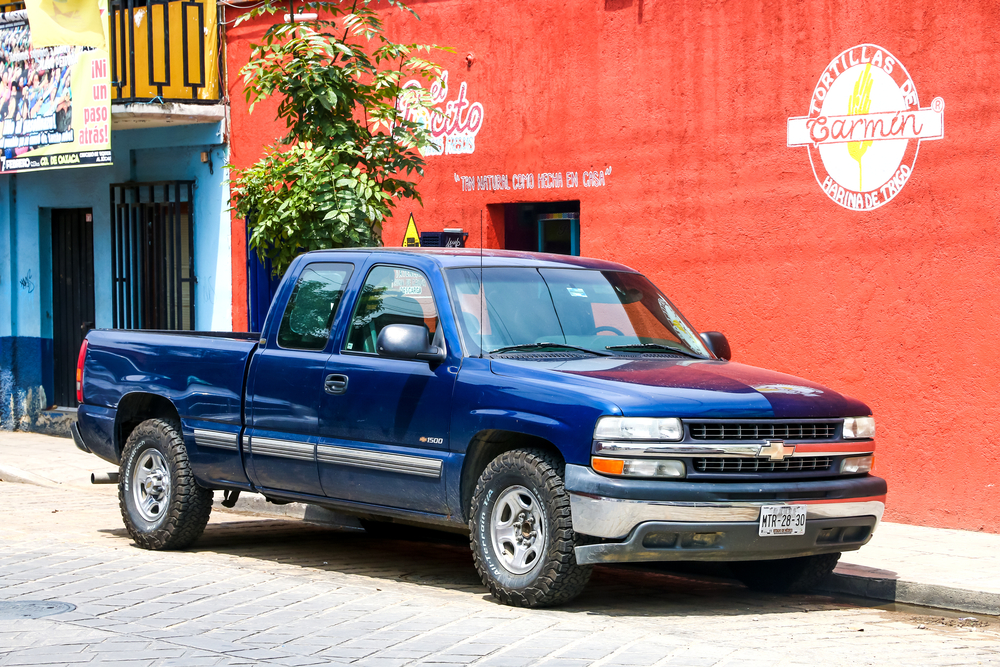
x,y
864,127
454,123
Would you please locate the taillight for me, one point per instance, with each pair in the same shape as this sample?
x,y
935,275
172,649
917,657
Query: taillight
x,y
79,371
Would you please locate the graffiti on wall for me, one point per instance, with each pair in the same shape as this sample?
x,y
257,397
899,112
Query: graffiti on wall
x,y
27,283
864,127
544,180
454,124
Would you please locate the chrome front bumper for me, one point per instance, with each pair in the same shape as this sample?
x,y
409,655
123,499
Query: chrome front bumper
x,y
673,531
639,520
615,518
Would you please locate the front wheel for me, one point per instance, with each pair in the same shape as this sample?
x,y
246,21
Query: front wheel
x,y
521,531
786,575
162,505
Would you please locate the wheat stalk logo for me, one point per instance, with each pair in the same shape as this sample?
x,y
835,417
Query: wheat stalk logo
x,y
858,104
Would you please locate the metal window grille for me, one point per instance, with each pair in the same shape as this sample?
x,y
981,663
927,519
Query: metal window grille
x,y
152,234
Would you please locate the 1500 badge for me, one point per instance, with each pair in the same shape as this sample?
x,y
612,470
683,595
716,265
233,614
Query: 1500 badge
x,y
432,441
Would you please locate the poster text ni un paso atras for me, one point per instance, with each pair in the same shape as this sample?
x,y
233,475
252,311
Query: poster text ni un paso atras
x,y
55,102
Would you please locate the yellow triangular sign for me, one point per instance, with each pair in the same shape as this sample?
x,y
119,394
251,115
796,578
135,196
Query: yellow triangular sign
x,y
412,237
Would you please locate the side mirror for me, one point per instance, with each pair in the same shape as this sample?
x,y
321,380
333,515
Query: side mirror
x,y
408,341
717,343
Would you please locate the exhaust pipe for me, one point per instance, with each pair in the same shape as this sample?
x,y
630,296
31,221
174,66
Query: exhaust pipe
x,y
103,478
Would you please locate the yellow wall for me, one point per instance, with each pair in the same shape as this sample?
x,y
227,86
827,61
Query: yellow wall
x,y
165,21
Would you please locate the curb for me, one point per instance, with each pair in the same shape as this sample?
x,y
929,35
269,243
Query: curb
x,y
911,592
16,475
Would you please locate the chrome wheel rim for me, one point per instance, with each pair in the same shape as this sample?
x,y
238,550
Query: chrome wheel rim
x,y
151,485
517,528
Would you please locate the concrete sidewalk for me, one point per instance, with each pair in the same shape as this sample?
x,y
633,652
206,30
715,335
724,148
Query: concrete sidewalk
x,y
936,567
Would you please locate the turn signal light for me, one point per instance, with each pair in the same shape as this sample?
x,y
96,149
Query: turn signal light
x,y
608,466
639,467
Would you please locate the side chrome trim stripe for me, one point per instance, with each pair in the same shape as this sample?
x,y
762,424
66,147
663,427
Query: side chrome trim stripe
x,y
217,439
420,466
285,449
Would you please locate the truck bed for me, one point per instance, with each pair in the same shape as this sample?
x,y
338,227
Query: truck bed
x,y
200,372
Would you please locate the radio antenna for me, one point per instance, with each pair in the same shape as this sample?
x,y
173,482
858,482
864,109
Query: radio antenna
x,y
482,292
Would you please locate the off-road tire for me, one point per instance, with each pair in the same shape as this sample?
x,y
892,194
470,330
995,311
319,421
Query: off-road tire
x,y
786,575
555,577
186,505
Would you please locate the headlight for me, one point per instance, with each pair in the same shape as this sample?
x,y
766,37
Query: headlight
x,y
859,427
638,428
639,467
857,464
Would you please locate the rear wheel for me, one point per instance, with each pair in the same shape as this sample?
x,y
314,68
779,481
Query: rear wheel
x,y
162,505
522,534
786,575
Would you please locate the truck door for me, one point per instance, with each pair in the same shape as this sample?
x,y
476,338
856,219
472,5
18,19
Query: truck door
x,y
286,383
385,422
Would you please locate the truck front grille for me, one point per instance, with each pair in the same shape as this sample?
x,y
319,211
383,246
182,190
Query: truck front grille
x,y
737,465
763,430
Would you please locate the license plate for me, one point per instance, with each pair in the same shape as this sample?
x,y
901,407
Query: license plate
x,y
782,520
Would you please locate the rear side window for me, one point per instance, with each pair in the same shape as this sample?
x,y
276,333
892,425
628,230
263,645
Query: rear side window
x,y
306,322
391,295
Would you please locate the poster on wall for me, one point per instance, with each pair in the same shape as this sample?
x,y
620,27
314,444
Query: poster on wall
x,y
55,102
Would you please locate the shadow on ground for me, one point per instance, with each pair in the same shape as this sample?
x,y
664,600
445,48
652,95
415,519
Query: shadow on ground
x,y
443,560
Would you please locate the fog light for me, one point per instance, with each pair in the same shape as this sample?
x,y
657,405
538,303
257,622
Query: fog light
x,y
660,540
639,467
700,540
654,468
857,464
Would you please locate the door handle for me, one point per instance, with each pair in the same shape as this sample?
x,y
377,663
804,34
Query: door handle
x,y
335,384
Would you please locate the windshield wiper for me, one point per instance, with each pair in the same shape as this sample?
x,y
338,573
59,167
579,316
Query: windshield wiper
x,y
535,346
653,347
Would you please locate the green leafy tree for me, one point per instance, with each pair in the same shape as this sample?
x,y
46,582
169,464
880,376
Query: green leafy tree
x,y
350,152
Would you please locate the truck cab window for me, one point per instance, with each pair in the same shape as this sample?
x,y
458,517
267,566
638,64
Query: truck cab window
x,y
306,322
391,295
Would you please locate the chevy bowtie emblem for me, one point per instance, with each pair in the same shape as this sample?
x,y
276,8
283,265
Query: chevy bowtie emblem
x,y
776,450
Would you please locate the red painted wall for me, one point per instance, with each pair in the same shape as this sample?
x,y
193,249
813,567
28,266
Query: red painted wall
x,y
687,104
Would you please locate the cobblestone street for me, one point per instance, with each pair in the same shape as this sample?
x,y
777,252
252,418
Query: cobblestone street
x,y
267,591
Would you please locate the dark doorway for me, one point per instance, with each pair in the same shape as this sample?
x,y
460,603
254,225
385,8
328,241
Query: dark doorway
x,y
152,238
543,227
72,295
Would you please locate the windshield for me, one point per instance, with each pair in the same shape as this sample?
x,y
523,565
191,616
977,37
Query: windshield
x,y
594,310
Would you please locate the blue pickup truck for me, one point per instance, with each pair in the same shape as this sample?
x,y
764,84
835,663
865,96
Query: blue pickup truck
x,y
559,409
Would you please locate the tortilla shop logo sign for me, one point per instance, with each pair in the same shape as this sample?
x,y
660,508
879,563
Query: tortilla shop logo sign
x,y
864,127
453,124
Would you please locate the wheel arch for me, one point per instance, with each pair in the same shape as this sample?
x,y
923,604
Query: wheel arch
x,y
485,446
136,408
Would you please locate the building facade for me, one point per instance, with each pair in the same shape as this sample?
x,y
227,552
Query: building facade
x,y
140,241
816,180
